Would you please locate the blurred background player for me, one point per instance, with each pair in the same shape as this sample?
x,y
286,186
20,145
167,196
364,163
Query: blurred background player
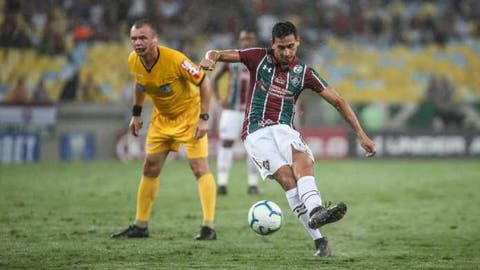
x,y
268,133
179,117
233,110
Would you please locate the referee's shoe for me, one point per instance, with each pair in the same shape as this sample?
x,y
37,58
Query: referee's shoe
x,y
133,231
206,233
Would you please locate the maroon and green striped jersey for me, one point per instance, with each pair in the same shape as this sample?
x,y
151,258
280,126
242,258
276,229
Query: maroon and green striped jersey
x,y
273,91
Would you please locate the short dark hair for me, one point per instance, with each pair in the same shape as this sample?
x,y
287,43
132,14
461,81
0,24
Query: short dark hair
x,y
283,29
144,22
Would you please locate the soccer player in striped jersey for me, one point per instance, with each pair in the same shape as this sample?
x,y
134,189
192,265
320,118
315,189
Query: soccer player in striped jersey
x,y
277,77
233,108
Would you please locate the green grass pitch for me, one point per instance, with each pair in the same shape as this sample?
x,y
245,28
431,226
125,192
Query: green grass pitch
x,y
403,214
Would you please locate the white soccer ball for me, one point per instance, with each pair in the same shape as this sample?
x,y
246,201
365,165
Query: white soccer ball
x,y
265,217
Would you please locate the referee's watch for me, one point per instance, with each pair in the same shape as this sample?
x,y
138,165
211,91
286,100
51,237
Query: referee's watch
x,y
204,116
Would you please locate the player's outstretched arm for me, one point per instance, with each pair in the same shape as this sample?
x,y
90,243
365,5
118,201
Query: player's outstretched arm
x,y
212,56
342,106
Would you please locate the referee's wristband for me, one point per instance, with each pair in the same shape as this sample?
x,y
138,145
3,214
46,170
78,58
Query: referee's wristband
x,y
136,110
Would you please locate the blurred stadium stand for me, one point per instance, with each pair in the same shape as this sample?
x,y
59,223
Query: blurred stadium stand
x,y
403,64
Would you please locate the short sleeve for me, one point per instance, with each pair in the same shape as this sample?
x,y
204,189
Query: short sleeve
x,y
131,63
191,71
314,82
251,57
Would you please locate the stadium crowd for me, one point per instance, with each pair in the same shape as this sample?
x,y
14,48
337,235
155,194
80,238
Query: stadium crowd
x,y
48,25
72,40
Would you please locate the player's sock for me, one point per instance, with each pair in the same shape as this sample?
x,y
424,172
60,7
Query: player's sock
x,y
252,173
208,195
147,192
300,211
308,192
224,163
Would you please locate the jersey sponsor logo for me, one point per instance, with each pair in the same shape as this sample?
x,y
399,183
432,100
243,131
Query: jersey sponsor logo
x,y
166,88
280,92
191,68
298,69
295,80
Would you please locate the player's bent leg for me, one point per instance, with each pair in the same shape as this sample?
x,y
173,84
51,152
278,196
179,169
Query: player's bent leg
x,y
208,195
284,177
300,211
307,187
309,194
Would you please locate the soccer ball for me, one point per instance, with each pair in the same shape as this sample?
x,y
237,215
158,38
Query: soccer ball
x,y
265,217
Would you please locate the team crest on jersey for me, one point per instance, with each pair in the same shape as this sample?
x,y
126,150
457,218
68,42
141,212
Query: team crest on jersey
x,y
269,59
298,69
166,88
295,80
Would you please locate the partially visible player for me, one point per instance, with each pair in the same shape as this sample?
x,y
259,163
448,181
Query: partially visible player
x,y
231,120
180,93
278,77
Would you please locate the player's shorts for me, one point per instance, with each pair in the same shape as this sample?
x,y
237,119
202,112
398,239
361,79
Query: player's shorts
x,y
230,126
271,148
165,136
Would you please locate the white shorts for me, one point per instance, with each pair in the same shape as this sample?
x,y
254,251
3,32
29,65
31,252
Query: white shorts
x,y
230,125
271,148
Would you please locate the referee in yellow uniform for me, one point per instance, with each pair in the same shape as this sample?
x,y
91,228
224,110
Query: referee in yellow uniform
x,y
180,93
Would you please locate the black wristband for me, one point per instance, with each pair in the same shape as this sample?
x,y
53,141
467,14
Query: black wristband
x,y
137,110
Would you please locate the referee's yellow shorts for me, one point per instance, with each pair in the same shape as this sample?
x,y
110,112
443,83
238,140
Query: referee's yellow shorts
x,y
167,135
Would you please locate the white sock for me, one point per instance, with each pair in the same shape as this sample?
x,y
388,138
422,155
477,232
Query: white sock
x,y
299,210
308,192
224,163
252,172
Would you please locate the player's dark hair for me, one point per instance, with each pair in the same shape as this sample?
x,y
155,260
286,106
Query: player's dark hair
x,y
144,22
283,29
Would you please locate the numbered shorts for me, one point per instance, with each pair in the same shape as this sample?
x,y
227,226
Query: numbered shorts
x,y
271,148
230,125
162,137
